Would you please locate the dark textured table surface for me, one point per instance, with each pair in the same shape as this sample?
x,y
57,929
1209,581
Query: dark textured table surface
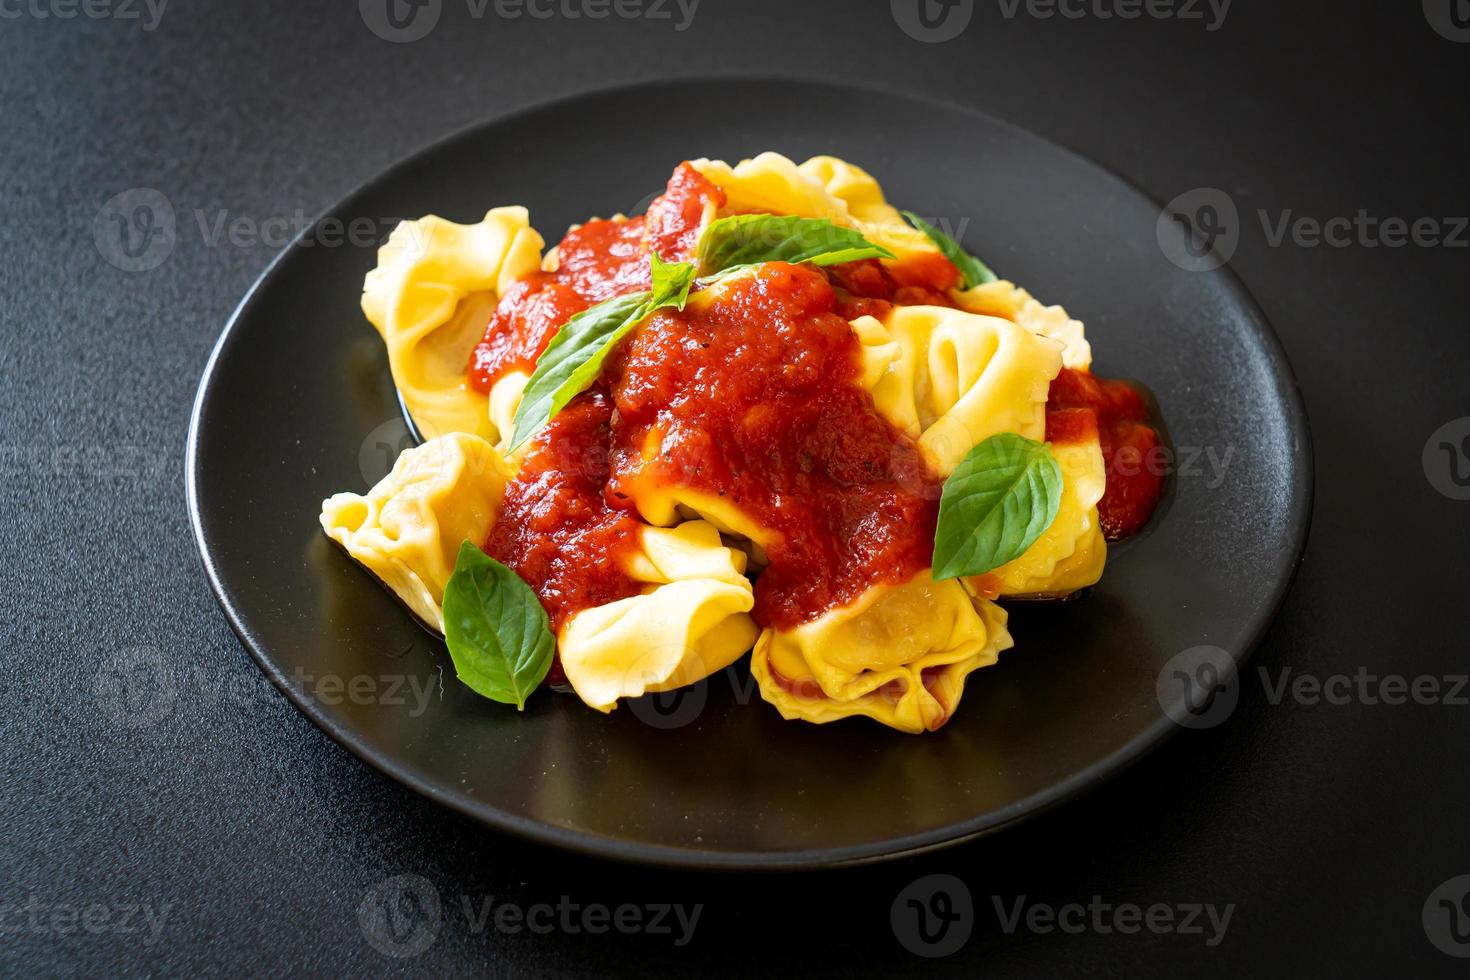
x,y
214,828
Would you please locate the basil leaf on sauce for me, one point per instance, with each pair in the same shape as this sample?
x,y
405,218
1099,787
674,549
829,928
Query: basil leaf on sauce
x,y
575,342
973,272
574,357
1002,497
498,635
671,282
749,239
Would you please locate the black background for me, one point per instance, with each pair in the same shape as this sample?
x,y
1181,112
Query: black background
x,y
1327,826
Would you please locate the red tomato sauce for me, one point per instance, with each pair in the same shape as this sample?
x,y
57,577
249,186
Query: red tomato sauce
x,y
556,529
869,288
1129,444
756,399
596,261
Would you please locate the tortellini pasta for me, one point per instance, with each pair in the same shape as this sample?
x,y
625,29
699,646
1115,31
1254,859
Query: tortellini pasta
x,y
772,182
822,187
504,399
691,620
871,214
948,377
434,288
1006,299
664,504
899,654
1070,553
407,530
953,379
847,195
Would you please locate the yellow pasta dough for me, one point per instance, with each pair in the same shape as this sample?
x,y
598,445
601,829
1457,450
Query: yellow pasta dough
x,y
879,221
407,530
1070,554
772,182
430,296
691,620
1005,299
948,378
505,398
899,655
953,379
822,187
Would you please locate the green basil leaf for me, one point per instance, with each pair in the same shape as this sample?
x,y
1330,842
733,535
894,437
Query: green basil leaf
x,y
1002,497
497,633
574,357
671,282
749,239
972,271
578,340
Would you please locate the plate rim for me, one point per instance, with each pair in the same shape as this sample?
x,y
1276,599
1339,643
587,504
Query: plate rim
x,y
1299,512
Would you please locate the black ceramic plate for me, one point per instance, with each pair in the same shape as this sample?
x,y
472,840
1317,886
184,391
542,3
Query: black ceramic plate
x,y
296,404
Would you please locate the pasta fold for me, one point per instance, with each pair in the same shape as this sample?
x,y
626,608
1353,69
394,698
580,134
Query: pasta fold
x,y
408,528
665,504
430,296
772,182
898,655
879,221
822,187
1070,554
954,379
1005,299
949,378
505,399
691,620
